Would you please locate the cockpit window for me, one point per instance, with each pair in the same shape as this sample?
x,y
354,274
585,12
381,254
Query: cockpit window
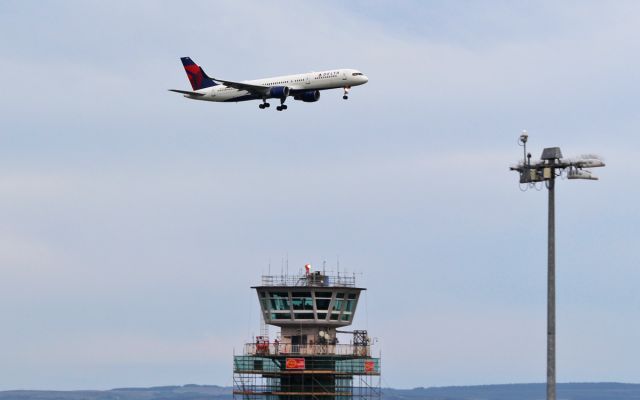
x,y
356,73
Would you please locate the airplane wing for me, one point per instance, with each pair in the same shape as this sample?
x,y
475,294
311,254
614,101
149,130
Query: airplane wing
x,y
187,92
254,89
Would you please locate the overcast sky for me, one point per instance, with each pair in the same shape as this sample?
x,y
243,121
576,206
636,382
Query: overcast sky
x,y
133,221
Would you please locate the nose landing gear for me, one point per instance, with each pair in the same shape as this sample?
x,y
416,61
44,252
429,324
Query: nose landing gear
x,y
346,92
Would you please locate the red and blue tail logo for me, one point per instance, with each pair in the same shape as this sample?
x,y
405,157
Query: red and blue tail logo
x,y
196,75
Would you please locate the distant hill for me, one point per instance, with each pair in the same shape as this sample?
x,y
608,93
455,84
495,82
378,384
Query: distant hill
x,y
534,391
186,392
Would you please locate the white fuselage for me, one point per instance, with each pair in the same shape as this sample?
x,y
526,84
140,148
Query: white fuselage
x,y
332,79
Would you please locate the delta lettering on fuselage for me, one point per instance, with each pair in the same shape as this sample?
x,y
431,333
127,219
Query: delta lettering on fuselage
x,y
328,74
302,87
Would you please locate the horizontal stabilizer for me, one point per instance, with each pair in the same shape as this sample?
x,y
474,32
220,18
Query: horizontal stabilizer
x,y
197,94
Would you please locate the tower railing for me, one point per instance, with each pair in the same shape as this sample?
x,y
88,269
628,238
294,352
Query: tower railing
x,y
253,349
313,279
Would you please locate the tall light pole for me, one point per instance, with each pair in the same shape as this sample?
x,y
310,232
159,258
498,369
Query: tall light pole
x,y
546,170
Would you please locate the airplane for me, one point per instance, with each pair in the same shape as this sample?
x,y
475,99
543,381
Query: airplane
x,y
303,87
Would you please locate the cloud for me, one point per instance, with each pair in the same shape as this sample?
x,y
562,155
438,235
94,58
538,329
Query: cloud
x,y
132,216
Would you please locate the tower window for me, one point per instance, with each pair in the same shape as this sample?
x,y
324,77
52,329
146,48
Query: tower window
x,y
350,305
323,304
302,303
280,304
280,315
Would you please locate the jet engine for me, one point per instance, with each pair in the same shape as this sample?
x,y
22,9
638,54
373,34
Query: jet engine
x,y
308,96
279,92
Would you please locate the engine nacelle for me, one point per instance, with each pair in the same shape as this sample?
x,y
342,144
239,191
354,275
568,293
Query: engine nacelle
x,y
309,96
279,92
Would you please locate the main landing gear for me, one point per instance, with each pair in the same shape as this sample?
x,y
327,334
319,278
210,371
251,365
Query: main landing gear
x,y
282,106
346,92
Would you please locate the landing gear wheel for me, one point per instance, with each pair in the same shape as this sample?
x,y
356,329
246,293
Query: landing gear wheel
x,y
262,106
282,106
346,92
267,105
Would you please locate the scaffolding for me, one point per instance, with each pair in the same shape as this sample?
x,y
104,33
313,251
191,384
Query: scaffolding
x,y
305,377
306,361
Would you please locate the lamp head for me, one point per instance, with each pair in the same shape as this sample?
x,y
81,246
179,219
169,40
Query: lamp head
x,y
524,136
588,161
575,173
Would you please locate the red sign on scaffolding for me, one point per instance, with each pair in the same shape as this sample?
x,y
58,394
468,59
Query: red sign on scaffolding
x,y
369,366
295,363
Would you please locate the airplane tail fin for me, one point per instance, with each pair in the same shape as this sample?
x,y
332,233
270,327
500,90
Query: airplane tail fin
x,y
198,78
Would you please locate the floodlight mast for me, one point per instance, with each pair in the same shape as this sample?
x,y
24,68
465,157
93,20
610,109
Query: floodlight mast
x,y
546,170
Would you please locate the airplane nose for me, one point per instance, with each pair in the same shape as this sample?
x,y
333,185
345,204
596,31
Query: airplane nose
x,y
365,79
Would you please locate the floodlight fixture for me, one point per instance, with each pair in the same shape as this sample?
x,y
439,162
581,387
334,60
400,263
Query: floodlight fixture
x,y
575,173
546,170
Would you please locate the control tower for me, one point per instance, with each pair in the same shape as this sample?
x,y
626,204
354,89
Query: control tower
x,y
307,360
